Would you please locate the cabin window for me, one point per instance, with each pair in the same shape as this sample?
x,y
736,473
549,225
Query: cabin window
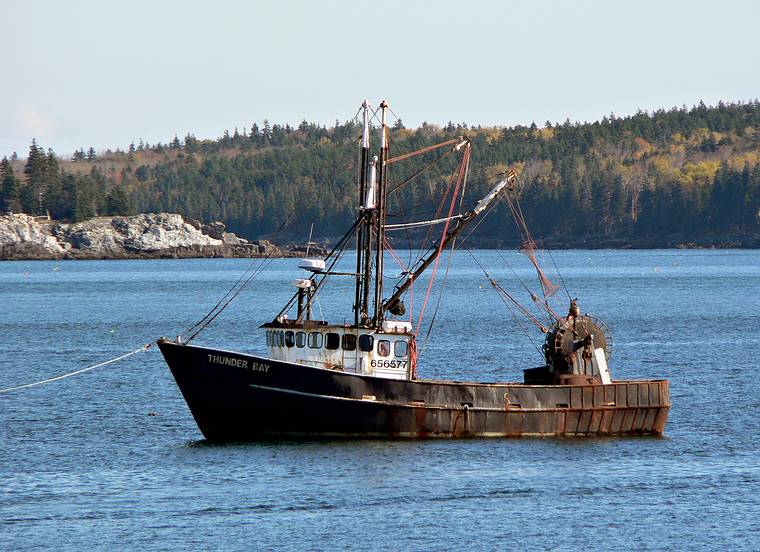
x,y
400,348
300,340
349,342
383,347
366,343
332,341
290,339
269,338
278,338
315,340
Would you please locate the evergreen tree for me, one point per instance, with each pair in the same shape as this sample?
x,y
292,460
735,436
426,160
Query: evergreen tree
x,y
9,188
117,202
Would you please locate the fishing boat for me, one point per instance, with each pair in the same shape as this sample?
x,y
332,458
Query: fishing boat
x,y
359,379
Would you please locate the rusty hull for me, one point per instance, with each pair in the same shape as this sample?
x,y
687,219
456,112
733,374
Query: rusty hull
x,y
280,400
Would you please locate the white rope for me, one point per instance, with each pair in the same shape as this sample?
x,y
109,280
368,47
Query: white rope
x,y
143,348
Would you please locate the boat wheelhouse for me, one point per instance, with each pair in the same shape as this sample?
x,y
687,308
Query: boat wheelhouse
x,y
386,353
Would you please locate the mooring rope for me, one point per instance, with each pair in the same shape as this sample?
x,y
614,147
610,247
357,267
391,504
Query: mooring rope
x,y
80,371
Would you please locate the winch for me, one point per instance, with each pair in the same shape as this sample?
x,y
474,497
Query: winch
x,y
578,345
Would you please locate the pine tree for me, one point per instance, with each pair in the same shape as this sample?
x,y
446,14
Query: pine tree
x,y
36,169
117,202
91,156
9,188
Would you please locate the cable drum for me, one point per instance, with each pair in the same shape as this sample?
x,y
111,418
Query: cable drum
x,y
569,339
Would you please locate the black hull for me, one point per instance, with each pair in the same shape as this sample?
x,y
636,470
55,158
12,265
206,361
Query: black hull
x,y
235,396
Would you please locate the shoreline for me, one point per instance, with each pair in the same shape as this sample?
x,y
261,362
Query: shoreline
x,y
214,253
171,236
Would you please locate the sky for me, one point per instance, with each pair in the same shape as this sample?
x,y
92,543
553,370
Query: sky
x,y
106,73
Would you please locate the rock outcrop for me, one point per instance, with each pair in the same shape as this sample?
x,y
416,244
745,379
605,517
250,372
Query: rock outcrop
x,y
160,235
23,236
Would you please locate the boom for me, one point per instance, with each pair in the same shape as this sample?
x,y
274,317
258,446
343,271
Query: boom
x,y
452,233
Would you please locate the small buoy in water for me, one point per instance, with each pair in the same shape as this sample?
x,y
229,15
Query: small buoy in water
x,y
56,268
151,413
113,331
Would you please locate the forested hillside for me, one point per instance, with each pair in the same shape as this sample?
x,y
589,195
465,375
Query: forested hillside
x,y
672,176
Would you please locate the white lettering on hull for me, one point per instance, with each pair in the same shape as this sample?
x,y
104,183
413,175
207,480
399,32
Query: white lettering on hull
x,y
238,363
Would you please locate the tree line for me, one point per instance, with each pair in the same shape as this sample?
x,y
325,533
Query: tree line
x,y
690,173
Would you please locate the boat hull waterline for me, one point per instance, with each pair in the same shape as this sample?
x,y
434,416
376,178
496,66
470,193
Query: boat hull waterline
x,y
235,397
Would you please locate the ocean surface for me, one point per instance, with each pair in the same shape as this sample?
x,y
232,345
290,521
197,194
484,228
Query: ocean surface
x,y
112,459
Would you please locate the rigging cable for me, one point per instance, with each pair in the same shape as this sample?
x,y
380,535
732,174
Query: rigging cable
x,y
267,261
548,288
533,296
503,294
211,313
466,163
237,287
440,296
458,177
561,279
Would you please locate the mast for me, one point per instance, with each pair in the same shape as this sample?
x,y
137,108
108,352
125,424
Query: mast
x,y
369,228
380,215
363,230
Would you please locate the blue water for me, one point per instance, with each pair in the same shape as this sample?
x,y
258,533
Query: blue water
x,y
111,459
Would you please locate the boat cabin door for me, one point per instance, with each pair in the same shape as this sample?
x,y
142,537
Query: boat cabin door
x,y
351,353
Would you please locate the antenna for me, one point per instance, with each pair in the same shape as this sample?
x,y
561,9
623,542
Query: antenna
x,y
308,243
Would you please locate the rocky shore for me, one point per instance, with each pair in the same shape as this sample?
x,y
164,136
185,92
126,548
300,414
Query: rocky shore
x,y
170,236
146,236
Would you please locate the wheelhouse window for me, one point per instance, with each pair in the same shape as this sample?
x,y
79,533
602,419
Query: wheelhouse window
x,y
300,340
332,341
349,342
280,338
401,349
269,338
384,347
366,343
315,340
290,339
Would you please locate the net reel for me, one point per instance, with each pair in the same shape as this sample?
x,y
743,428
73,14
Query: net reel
x,y
571,341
